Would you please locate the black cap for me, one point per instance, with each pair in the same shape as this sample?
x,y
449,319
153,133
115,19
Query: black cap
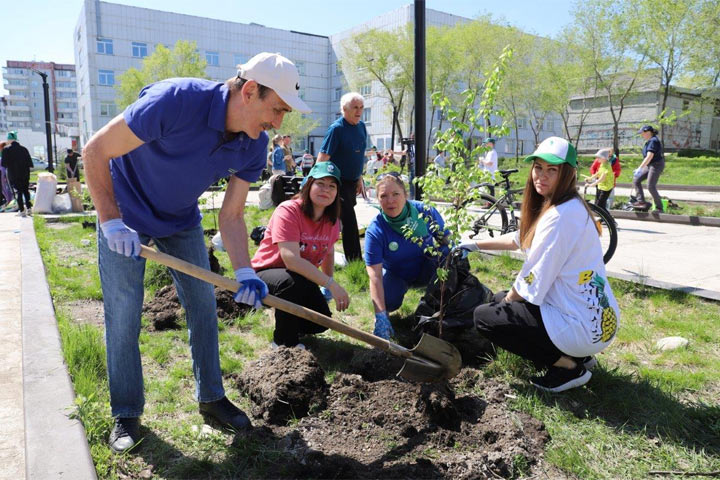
x,y
646,128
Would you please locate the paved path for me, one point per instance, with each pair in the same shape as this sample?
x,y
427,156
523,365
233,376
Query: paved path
x,y
38,440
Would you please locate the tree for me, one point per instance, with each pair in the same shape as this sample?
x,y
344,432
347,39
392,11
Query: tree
x,y
703,68
182,61
665,34
385,57
297,124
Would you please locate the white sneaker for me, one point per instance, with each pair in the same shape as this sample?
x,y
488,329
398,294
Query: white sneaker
x,y
23,213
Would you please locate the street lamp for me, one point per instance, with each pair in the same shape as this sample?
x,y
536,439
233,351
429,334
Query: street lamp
x,y
48,137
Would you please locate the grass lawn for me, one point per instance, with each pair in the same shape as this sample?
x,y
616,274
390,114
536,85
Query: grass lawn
x,y
643,409
678,170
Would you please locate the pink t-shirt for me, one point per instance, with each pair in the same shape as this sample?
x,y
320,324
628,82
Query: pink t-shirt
x,y
289,224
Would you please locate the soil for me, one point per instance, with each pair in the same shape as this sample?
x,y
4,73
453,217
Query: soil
x,y
165,311
87,312
366,425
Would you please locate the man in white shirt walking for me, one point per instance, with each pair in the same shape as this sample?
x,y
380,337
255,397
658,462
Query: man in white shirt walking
x,y
490,161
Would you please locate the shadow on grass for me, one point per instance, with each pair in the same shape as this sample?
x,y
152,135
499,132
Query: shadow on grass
x,y
636,406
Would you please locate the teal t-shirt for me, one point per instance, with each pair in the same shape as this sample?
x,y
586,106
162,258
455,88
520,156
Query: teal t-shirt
x,y
346,143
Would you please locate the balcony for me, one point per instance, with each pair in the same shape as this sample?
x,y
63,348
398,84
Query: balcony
x,y
17,108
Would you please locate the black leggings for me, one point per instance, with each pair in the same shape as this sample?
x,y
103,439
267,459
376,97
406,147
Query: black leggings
x,y
22,189
518,328
601,198
295,288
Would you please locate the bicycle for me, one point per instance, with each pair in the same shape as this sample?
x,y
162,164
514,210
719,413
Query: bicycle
x,y
493,215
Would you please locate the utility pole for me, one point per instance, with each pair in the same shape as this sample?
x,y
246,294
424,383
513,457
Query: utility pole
x,y
48,134
420,87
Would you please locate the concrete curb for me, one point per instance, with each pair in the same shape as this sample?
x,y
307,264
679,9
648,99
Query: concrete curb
x,y
55,445
667,218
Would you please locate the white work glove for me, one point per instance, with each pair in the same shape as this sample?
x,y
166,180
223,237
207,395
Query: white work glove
x,y
466,247
121,238
252,289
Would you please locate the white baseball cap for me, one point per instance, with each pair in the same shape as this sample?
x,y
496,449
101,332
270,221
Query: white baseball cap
x,y
277,72
555,150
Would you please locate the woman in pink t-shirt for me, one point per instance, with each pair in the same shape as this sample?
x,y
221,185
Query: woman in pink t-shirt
x,y
299,239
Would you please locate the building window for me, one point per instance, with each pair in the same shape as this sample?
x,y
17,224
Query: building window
x,y
300,67
301,93
104,46
380,143
521,123
366,90
338,94
549,125
106,77
212,58
509,146
108,109
367,115
139,50
686,105
338,68
240,59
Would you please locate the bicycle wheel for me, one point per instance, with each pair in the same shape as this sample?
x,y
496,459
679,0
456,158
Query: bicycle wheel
x,y
608,233
491,218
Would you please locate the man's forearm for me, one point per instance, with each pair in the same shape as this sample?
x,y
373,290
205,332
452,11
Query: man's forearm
x,y
99,182
235,240
323,157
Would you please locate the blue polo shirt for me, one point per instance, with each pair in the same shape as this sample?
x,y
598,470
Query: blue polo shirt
x,y
278,158
654,145
396,253
182,122
345,143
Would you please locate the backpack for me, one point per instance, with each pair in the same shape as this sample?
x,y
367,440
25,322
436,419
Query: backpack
x,y
283,187
463,293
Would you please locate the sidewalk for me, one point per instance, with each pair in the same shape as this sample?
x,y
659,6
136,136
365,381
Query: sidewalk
x,y
39,440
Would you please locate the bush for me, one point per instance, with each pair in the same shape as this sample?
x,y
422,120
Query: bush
x,y
689,153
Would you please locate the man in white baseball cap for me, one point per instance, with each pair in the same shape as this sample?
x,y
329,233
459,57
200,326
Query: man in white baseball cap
x,y
146,169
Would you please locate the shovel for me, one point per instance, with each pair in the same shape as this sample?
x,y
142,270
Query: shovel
x,y
432,359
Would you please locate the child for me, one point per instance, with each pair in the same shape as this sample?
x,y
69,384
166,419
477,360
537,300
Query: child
x,y
616,168
604,179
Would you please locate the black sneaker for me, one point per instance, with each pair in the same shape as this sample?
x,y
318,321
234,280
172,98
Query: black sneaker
x,y
588,362
558,379
224,414
125,434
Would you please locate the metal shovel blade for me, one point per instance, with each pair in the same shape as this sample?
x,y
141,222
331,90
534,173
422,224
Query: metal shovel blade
x,y
432,360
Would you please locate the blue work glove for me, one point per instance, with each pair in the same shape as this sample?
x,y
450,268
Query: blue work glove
x,y
252,290
121,238
383,328
326,293
637,172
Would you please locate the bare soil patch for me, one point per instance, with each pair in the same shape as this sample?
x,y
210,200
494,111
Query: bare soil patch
x,y
388,428
87,311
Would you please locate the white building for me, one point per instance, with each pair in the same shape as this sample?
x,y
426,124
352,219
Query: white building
x,y
25,108
110,38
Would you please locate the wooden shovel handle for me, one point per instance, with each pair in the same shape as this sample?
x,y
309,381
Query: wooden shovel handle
x,y
273,301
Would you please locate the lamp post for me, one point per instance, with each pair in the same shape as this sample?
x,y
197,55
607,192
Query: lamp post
x,y
48,137
420,106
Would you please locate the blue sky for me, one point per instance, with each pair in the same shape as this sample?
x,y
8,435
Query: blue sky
x,y
43,29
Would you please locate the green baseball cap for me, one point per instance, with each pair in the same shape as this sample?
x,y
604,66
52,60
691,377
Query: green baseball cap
x,y
489,140
325,169
555,150
12,135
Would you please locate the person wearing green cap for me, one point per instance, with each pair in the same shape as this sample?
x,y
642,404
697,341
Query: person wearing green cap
x,y
561,310
296,255
489,162
393,262
17,162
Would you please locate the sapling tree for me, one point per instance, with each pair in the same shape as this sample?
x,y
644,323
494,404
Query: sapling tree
x,y
455,184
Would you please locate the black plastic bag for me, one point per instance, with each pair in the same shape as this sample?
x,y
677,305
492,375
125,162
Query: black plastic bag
x,y
463,292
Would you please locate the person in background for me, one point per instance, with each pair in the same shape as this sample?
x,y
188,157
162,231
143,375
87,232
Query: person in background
x,y
489,162
18,163
288,155
307,163
651,167
278,156
439,160
72,169
616,168
5,188
345,144
603,179
395,263
296,254
143,175
560,311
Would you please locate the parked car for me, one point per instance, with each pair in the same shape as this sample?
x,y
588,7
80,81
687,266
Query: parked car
x,y
39,164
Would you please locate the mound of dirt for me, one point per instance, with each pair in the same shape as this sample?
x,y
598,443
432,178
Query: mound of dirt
x,y
165,310
283,384
391,428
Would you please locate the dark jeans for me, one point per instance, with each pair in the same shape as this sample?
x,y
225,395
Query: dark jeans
x,y
653,175
518,328
22,190
601,198
350,234
294,288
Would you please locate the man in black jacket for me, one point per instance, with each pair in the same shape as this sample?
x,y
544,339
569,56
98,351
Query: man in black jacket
x,y
17,160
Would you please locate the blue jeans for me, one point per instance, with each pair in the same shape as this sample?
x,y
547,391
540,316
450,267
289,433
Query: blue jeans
x,y
121,278
395,287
